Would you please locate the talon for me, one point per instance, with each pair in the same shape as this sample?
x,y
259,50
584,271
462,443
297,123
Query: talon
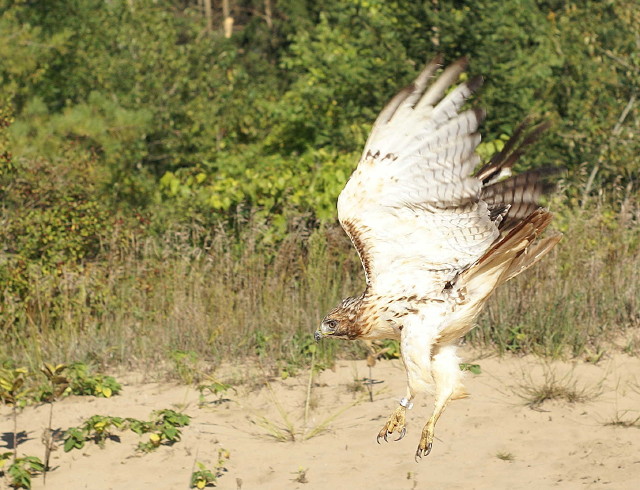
x,y
396,423
403,433
423,452
428,450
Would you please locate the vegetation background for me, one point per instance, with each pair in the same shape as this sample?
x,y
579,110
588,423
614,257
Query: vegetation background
x,y
169,169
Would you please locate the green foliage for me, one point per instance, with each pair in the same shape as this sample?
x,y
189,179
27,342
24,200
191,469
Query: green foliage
x,y
83,382
12,386
334,98
163,429
74,438
20,386
129,131
22,470
272,119
5,458
387,349
204,477
97,428
58,383
215,388
472,368
186,365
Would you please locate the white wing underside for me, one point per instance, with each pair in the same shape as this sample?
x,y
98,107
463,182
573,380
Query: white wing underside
x,y
411,207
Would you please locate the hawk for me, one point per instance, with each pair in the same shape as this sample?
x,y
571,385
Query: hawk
x,y
435,238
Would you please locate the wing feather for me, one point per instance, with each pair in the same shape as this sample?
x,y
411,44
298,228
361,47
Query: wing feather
x,y
412,208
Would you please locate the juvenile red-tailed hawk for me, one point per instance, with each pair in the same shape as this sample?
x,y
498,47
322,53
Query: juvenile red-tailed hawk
x,y
435,239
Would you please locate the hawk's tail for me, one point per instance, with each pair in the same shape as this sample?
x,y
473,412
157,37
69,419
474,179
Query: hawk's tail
x,y
510,256
514,253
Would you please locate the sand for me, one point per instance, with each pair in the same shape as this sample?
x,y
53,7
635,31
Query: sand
x,y
491,440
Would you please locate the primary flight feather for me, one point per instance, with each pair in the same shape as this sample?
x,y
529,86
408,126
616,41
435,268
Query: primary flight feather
x,y
435,238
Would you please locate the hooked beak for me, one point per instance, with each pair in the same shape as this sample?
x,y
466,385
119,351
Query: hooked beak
x,y
323,331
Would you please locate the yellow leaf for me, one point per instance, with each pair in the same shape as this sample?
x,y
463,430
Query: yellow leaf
x,y
107,392
201,483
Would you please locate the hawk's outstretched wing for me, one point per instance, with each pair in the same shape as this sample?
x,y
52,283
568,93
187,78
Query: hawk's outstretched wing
x,y
413,208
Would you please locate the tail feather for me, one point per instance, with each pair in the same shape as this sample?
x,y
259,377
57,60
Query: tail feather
x,y
503,261
514,243
530,257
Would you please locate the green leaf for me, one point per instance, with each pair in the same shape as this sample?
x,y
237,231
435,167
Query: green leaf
x,y
474,368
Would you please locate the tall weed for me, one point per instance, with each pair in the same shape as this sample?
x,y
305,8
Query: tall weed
x,y
226,297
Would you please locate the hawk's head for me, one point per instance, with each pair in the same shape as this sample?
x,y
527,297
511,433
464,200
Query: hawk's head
x,y
341,322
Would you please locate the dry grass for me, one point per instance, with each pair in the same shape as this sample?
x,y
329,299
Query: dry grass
x,y
581,296
217,297
554,386
505,456
209,296
286,429
625,421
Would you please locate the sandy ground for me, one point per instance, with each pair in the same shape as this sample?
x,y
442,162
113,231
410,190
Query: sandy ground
x,y
558,445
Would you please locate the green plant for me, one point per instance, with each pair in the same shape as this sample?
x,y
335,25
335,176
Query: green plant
x,y
185,365
12,392
74,438
216,388
61,380
390,349
12,386
142,216
23,469
97,428
58,384
472,368
301,475
4,458
83,382
205,477
163,428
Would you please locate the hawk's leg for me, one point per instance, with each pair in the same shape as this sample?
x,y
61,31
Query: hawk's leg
x,y
396,422
447,378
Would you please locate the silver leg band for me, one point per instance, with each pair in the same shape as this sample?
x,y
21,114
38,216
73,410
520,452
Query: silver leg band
x,y
406,403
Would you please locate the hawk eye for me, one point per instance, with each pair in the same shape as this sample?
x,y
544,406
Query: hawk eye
x,y
332,323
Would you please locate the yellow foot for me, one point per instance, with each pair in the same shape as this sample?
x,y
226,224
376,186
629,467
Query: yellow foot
x,y
426,441
394,424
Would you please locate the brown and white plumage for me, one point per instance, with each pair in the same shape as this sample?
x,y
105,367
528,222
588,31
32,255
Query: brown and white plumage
x,y
434,238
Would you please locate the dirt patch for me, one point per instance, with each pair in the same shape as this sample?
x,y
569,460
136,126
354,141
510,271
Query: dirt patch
x,y
491,440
